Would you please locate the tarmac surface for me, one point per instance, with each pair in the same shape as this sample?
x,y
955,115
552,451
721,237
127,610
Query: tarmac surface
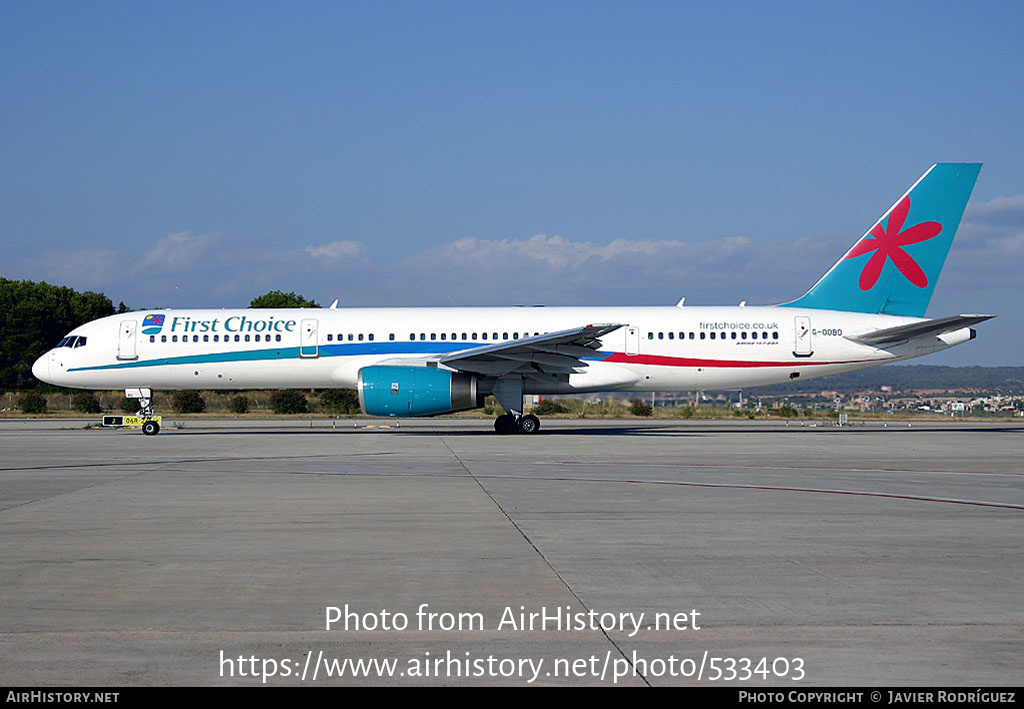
x,y
876,555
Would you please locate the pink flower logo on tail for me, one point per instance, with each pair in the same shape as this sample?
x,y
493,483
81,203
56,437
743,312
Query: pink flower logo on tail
x,y
886,244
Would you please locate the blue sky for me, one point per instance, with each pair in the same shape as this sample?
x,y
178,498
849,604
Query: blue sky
x,y
395,153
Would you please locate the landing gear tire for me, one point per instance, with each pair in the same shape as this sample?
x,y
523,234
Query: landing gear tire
x,y
150,428
506,423
529,424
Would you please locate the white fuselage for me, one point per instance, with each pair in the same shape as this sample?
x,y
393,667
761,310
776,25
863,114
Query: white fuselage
x,y
658,348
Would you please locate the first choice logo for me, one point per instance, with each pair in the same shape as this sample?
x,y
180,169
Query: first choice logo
x,y
235,323
152,324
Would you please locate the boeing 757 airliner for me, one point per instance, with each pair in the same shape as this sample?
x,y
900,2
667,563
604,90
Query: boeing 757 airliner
x,y
868,309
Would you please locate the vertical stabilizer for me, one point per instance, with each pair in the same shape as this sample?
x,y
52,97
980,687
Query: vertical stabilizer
x,y
893,268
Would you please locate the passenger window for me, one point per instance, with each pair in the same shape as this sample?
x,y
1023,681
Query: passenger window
x,y
650,335
360,337
463,336
412,335
484,337
444,336
195,338
671,336
370,337
515,335
504,335
238,338
246,338
433,336
743,335
206,338
495,337
391,337
701,335
691,335
474,336
174,338
163,338
775,335
734,335
423,336
350,337
330,337
661,335
753,335
152,338
712,335
278,338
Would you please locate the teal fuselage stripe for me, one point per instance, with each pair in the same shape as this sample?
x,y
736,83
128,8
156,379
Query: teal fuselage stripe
x,y
283,353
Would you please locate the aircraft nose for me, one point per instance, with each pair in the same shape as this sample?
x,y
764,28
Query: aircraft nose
x,y
41,368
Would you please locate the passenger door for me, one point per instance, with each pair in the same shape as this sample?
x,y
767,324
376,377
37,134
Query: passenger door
x,y
126,345
803,347
309,345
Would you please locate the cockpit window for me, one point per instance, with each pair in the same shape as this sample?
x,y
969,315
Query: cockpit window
x,y
64,342
80,342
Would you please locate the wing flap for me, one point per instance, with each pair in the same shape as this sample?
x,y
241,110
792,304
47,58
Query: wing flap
x,y
552,353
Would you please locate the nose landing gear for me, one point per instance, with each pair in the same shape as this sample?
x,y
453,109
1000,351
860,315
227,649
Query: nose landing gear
x,y
150,426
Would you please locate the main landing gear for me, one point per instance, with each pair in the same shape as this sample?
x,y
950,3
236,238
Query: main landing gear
x,y
507,423
509,393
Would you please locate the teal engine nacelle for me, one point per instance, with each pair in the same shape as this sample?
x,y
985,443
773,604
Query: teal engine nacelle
x,y
415,391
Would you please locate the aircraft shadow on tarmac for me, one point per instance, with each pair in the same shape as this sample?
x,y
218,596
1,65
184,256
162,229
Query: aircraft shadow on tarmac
x,y
626,429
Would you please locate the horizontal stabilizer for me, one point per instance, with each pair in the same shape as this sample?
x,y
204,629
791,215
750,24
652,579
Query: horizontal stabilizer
x,y
918,329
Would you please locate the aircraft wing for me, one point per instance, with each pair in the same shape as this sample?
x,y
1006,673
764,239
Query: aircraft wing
x,y
552,353
928,327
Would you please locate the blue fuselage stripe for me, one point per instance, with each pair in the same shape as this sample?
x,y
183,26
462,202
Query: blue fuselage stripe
x,y
283,353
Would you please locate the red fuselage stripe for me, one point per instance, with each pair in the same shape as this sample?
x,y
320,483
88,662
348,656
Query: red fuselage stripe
x,y
690,362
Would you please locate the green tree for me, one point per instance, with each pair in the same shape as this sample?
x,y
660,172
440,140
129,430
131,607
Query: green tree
x,y
288,401
33,318
32,403
86,402
280,299
339,401
639,407
549,407
239,404
188,402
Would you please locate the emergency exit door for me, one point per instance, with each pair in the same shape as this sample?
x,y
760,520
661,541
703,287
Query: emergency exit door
x,y
632,340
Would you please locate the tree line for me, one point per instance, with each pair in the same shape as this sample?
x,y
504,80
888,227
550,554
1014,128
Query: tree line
x,y
35,316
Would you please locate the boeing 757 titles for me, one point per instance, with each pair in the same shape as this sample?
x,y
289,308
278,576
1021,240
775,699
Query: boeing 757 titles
x,y
868,309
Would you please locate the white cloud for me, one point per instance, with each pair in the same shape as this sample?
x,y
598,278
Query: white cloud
x,y
337,250
560,253
178,251
84,268
1001,211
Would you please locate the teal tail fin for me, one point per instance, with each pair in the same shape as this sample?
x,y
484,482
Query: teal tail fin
x,y
893,268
